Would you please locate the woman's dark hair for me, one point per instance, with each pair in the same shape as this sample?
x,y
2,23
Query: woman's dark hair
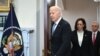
x,y
83,21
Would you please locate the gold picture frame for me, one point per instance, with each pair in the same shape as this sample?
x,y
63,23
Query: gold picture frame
x,y
4,5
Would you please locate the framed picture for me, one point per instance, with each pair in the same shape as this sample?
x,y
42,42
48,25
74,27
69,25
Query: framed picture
x,y
4,5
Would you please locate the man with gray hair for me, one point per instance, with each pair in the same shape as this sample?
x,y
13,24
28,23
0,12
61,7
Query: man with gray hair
x,y
95,39
60,33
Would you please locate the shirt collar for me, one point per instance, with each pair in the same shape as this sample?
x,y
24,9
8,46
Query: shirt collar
x,y
95,32
58,20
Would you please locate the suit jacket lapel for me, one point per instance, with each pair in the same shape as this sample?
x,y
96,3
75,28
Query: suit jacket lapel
x,y
77,38
97,36
84,36
51,26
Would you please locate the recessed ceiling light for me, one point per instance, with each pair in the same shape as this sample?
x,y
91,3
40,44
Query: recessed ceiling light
x,y
96,0
48,1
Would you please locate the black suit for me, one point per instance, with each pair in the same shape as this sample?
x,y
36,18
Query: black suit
x,y
60,40
96,47
84,49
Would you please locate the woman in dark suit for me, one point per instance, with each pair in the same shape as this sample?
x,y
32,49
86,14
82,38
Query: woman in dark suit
x,y
81,39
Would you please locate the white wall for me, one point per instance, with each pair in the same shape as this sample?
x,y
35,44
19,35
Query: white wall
x,y
98,14
26,14
30,15
80,8
40,27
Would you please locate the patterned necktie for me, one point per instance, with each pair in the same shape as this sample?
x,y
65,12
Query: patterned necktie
x,y
53,28
94,38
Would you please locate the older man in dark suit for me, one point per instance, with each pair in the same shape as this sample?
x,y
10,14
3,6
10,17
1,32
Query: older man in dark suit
x,y
95,39
60,33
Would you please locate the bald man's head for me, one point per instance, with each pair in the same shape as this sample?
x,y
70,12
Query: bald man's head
x,y
55,13
95,26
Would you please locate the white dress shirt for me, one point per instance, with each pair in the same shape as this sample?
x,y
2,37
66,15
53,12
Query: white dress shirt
x,y
80,37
